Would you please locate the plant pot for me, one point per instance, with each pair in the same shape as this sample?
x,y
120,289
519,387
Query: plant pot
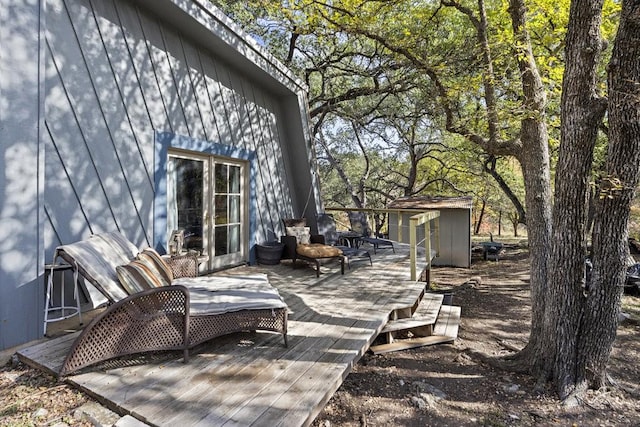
x,y
269,253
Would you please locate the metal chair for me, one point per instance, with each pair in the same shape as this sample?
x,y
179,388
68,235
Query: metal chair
x,y
327,228
360,225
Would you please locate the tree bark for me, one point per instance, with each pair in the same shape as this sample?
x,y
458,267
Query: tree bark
x,y
480,218
534,158
622,174
581,113
490,168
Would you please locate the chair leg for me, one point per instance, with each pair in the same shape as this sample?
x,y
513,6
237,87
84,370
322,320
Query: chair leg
x,y
317,268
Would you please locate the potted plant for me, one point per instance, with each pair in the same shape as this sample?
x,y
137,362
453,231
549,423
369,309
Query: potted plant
x,y
269,253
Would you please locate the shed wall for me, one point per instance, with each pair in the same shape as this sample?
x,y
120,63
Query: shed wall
x,y
455,236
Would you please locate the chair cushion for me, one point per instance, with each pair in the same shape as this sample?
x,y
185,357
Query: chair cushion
x,y
120,244
97,261
302,234
136,277
225,293
318,250
157,265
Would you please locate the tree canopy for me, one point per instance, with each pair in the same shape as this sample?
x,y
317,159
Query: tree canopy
x,y
416,97
443,68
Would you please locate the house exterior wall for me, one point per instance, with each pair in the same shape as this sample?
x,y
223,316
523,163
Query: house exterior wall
x,y
113,76
21,171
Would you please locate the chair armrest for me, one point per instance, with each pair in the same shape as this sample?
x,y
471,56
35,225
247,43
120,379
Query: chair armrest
x,y
152,320
317,238
290,244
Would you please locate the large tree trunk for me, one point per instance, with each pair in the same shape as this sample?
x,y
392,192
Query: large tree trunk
x,y
534,158
581,114
599,322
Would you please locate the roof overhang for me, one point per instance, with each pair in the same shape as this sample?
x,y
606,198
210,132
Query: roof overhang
x,y
208,26
435,202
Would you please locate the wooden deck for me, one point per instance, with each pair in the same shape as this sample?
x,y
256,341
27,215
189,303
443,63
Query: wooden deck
x,y
251,378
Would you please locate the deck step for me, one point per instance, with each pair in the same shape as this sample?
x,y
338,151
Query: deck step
x,y
425,315
405,308
448,321
445,330
409,343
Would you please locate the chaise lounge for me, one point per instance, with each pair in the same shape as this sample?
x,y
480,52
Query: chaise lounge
x,y
151,310
299,244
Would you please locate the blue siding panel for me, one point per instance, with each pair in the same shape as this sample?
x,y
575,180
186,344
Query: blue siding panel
x,y
112,76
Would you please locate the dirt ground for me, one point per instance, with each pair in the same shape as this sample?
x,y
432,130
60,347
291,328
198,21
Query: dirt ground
x,y
442,385
448,385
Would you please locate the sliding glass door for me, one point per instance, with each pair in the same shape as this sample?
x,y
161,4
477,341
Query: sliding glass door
x,y
207,199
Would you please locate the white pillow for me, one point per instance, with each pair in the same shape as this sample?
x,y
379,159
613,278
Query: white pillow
x,y
302,234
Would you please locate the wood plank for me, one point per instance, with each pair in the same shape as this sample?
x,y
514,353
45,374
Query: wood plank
x,y
308,395
407,301
445,330
410,343
309,392
49,355
448,321
234,405
426,314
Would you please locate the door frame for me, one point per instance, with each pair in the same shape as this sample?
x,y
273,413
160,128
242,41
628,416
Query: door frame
x,y
208,214
165,141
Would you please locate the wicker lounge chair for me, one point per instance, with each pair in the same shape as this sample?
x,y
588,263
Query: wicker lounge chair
x,y
148,314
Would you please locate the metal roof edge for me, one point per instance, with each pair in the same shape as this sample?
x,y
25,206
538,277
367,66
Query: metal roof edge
x,y
220,25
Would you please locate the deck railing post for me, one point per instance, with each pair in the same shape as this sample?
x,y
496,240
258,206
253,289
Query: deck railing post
x,y
413,246
437,234
427,246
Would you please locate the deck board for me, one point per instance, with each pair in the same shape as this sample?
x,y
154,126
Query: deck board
x,y
251,378
449,322
426,314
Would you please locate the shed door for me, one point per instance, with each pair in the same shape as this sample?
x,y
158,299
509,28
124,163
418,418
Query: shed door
x,y
207,199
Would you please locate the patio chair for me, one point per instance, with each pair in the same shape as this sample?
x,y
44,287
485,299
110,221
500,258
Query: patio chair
x,y
360,225
327,228
151,310
300,244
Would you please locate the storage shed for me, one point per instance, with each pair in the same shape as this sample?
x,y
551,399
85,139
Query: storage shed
x,y
455,226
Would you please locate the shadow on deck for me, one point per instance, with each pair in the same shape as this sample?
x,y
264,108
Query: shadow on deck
x,y
250,378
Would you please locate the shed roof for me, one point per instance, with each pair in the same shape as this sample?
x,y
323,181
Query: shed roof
x,y
432,202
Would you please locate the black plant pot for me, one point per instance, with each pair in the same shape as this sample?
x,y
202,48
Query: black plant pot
x,y
269,253
447,296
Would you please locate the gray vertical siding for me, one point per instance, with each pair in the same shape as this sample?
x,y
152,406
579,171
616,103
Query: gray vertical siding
x,y
114,73
21,172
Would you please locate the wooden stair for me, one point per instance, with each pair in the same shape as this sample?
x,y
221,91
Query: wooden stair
x,y
425,322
